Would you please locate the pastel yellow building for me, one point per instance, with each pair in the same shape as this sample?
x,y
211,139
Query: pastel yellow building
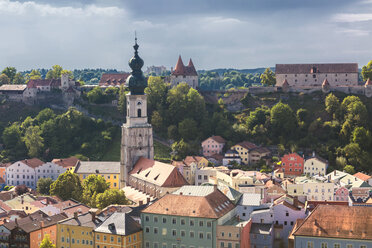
x,y
118,231
250,153
108,170
77,232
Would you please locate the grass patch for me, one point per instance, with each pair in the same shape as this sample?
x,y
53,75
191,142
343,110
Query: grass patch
x,y
162,152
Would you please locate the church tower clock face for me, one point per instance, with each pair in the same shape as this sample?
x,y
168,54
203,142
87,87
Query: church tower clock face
x,y
137,138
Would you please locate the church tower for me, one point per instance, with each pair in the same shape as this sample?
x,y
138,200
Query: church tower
x,y
136,137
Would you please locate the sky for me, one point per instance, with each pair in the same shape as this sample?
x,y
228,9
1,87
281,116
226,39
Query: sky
x,y
237,34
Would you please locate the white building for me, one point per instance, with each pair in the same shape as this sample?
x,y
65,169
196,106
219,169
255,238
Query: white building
x,y
313,75
184,74
49,170
315,166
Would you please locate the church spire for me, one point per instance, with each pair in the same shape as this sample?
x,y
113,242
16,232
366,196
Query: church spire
x,y
136,81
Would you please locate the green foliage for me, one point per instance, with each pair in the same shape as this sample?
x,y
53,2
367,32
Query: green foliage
x,y
4,79
92,186
47,243
43,185
55,73
230,79
268,77
19,79
332,105
122,102
34,74
10,72
181,149
67,186
188,129
109,197
283,121
33,141
367,71
349,169
98,96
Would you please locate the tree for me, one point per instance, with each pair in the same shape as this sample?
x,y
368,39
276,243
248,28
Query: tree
x,y
92,186
349,169
111,196
67,186
367,71
341,162
122,103
188,129
4,79
157,121
173,132
268,77
47,243
96,95
10,72
43,185
19,79
33,141
21,189
282,120
362,137
55,72
181,149
332,104
156,91
45,115
34,74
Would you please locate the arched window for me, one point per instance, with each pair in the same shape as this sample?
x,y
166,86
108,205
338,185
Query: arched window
x,y
139,103
139,113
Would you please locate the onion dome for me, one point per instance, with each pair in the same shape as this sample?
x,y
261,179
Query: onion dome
x,y
136,81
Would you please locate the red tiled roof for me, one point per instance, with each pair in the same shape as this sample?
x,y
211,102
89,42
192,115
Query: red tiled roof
x,y
214,205
5,165
368,82
362,176
217,138
181,69
66,162
33,83
325,82
33,162
247,145
319,68
112,79
285,83
344,222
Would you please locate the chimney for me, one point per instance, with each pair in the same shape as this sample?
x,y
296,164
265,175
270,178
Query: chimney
x,y
335,173
42,224
181,193
313,153
22,200
75,215
214,187
147,200
140,203
93,213
16,221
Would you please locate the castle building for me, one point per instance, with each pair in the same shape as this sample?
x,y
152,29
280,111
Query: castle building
x,y
313,75
137,139
184,74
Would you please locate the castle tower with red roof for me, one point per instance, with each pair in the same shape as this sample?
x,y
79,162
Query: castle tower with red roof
x,y
184,74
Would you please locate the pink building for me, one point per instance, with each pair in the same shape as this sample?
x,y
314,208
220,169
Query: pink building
x,y
213,145
342,194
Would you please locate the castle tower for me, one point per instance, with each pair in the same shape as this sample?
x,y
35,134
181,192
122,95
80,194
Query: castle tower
x,y
368,88
326,87
136,139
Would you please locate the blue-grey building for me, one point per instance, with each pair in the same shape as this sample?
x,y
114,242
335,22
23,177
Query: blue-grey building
x,y
262,235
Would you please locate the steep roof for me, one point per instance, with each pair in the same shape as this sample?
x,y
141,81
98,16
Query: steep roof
x,y
119,223
330,221
33,162
285,83
113,79
362,176
158,173
97,167
66,162
247,145
214,205
181,70
319,68
33,83
85,220
325,82
368,82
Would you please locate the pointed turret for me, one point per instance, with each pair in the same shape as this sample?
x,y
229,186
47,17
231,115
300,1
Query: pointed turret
x,y
191,69
325,83
285,83
285,86
179,69
326,87
368,82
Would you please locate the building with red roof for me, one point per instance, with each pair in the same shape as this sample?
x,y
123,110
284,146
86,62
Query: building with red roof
x,y
184,74
113,79
292,164
213,145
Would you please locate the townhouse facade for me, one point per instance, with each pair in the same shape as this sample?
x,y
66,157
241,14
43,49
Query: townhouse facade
x,y
213,145
315,166
292,164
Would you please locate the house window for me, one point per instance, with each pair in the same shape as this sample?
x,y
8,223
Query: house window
x,y
201,235
155,219
174,232
337,246
310,244
191,223
349,246
174,221
139,112
192,234
155,230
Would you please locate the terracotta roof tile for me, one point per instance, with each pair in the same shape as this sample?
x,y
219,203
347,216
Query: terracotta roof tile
x,y
319,68
66,162
247,145
113,79
338,222
362,176
33,83
181,70
368,82
214,205
33,162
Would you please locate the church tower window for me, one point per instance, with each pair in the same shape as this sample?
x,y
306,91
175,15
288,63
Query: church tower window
x,y
139,113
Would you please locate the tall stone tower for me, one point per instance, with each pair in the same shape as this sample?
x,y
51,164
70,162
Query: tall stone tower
x,y
136,137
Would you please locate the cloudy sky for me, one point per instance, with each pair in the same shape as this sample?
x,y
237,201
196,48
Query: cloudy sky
x,y
214,33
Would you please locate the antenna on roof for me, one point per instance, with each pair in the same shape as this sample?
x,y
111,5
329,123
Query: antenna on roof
x,y
135,36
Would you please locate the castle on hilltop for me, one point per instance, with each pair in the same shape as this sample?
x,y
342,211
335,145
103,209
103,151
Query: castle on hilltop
x,y
184,74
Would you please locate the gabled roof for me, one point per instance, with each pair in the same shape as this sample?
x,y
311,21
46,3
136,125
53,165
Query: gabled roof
x,y
120,224
33,162
113,79
330,221
213,205
181,70
34,83
247,145
66,162
85,220
97,167
13,87
362,176
320,159
261,150
216,138
250,200
319,68
158,173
